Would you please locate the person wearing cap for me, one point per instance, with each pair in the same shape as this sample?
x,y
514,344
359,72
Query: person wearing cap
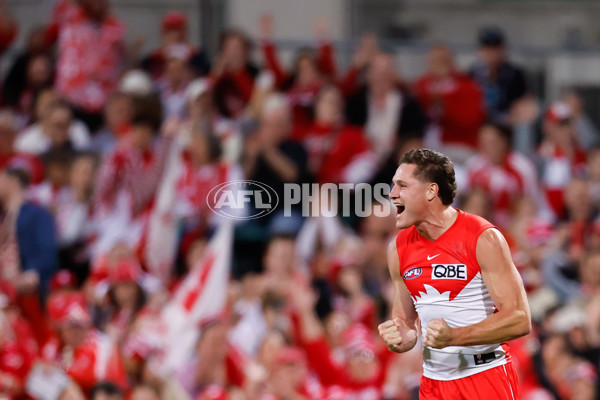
x,y
501,81
86,355
560,155
174,27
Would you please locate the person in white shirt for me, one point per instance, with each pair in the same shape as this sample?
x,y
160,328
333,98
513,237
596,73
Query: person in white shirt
x,y
55,129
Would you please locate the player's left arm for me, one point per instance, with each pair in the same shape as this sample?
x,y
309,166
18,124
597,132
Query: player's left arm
x,y
512,320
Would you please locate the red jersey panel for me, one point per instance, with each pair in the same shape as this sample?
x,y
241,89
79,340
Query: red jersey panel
x,y
444,280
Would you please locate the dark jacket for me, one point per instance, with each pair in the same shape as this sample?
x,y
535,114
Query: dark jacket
x,y
412,119
37,241
499,95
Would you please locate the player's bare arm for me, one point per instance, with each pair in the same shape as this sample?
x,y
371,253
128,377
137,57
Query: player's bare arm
x,y
504,283
400,332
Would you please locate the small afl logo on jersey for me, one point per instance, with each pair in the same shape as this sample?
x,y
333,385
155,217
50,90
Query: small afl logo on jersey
x,y
412,273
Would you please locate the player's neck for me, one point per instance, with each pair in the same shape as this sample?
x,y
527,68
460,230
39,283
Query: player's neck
x,y
437,222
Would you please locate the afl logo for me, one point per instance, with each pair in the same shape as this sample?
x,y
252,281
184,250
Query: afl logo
x,y
412,273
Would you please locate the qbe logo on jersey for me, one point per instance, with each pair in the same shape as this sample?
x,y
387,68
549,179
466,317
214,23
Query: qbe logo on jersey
x,y
449,271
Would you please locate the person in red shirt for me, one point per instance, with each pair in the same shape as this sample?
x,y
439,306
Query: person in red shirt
x,y
85,354
362,370
562,158
90,57
337,153
451,99
469,301
128,179
233,74
308,75
503,174
18,347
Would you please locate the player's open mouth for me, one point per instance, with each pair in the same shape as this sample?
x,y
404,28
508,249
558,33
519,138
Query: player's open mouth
x,y
399,209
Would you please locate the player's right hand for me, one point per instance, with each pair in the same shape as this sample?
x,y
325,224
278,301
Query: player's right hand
x,y
391,335
391,332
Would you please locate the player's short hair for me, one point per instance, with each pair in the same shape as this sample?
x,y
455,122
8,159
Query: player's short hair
x,y
436,168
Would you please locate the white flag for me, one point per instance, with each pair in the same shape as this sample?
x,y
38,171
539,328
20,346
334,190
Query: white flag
x,y
201,295
161,247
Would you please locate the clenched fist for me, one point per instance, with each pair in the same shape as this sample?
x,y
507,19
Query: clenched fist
x,y
439,334
398,337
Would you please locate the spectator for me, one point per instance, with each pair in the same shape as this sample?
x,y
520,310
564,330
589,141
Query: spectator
x,y
15,83
9,125
46,194
271,157
587,132
90,54
173,84
201,108
214,363
560,268
201,171
363,371
561,157
453,102
385,109
34,231
307,77
55,130
128,179
126,299
233,74
118,112
337,152
85,354
174,27
73,215
504,175
502,82
18,349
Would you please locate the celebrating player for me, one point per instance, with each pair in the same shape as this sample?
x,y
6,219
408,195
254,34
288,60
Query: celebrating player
x,y
454,271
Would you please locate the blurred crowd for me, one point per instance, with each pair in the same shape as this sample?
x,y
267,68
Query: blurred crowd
x,y
107,157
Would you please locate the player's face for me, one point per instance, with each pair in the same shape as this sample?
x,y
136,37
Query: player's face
x,y
409,195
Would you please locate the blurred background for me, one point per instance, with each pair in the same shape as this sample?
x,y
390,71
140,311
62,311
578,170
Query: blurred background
x,y
118,117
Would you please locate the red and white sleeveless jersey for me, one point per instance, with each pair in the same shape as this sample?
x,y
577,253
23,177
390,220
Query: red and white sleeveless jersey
x,y
444,280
